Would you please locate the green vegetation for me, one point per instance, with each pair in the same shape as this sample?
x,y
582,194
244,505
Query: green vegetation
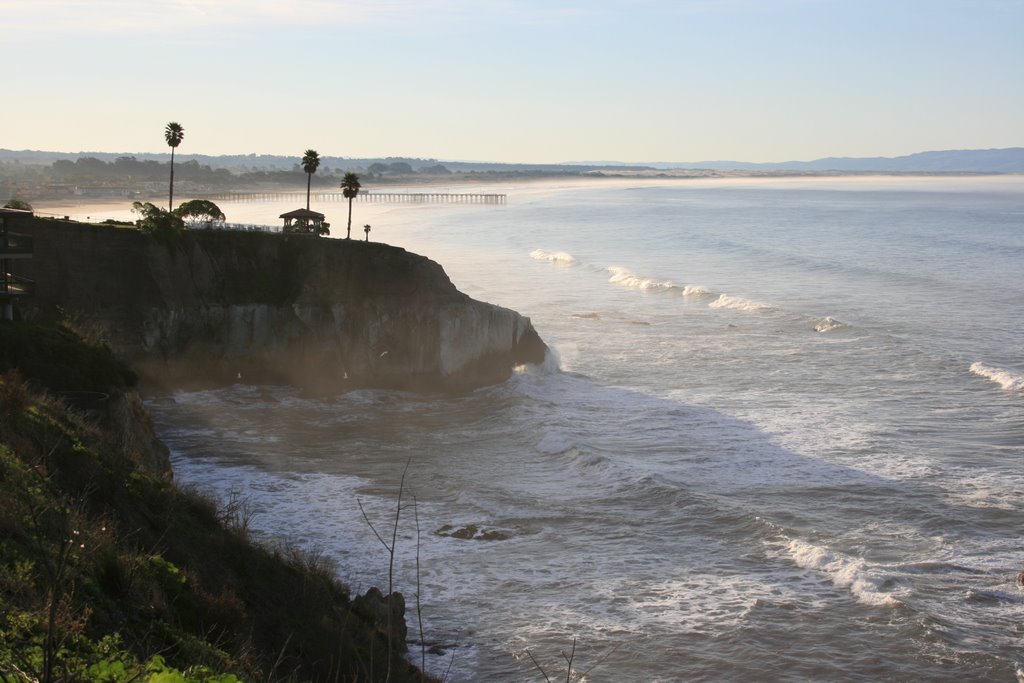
x,y
200,213
18,204
57,359
110,573
310,162
167,224
38,176
350,188
173,134
164,225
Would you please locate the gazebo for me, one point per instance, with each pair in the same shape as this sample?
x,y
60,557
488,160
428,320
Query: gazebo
x,y
304,220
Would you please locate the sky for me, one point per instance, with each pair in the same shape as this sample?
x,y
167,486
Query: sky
x,y
532,81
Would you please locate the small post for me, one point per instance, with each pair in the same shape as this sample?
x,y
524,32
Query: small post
x,y
366,229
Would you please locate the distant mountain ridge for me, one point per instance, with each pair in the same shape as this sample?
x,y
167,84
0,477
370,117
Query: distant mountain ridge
x,y
1004,160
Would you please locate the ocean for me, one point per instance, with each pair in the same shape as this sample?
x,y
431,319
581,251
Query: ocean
x,y
780,436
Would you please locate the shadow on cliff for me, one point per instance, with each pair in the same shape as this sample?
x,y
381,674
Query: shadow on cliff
x,y
211,307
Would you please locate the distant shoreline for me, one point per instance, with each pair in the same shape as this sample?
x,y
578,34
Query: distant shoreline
x,y
97,209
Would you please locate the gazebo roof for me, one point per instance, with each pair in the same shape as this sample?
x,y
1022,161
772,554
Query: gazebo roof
x,y
302,213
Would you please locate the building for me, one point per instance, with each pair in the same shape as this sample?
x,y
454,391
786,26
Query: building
x,y
305,220
12,248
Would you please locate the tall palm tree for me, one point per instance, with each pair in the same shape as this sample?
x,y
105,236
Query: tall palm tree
x,y
173,134
350,188
310,162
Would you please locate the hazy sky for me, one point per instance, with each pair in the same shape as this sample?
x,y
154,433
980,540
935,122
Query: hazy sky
x,y
516,80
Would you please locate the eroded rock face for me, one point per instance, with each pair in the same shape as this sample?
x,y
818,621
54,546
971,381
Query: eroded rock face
x,y
132,426
325,314
387,614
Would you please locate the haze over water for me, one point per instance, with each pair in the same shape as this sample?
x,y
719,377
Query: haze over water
x,y
781,435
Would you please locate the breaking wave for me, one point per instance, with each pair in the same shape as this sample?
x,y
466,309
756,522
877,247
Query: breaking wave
x,y
696,291
828,324
871,585
740,304
1004,378
559,258
624,277
627,278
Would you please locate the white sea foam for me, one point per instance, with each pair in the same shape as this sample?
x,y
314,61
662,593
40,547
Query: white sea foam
x,y
695,291
1005,378
627,278
740,304
870,584
551,365
559,258
698,603
828,324
994,596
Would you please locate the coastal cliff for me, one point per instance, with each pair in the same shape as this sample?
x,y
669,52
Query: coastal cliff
x,y
323,314
110,571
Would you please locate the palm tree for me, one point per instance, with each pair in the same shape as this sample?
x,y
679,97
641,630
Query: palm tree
x,y
310,162
350,188
173,134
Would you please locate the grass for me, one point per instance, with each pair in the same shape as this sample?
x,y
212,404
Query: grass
x,y
111,573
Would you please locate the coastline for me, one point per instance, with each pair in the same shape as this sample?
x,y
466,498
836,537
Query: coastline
x,y
98,209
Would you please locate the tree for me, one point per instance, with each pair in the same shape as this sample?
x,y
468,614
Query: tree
x,y
18,204
436,169
156,221
310,162
350,188
400,168
173,134
200,213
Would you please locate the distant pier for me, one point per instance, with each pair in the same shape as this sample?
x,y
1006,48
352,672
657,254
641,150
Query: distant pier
x,y
369,197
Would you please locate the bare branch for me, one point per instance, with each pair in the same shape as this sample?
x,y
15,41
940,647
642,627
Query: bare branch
x,y
419,605
372,528
601,660
539,667
572,655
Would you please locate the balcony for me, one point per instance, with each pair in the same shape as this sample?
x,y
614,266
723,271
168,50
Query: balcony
x,y
13,245
15,286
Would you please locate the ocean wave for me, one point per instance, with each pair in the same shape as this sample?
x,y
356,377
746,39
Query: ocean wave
x,y
551,365
696,291
559,258
993,597
1004,378
828,324
554,443
740,304
869,584
627,278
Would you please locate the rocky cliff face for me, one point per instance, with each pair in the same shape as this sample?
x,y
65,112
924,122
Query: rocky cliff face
x,y
325,314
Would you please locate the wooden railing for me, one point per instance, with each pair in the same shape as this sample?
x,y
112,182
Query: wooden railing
x,y
14,285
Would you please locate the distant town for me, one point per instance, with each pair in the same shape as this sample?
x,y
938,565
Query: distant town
x,y
44,175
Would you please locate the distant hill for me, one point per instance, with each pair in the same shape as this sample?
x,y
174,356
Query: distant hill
x,y
1008,160
239,163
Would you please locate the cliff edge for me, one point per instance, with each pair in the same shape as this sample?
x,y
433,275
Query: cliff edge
x,y
328,315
